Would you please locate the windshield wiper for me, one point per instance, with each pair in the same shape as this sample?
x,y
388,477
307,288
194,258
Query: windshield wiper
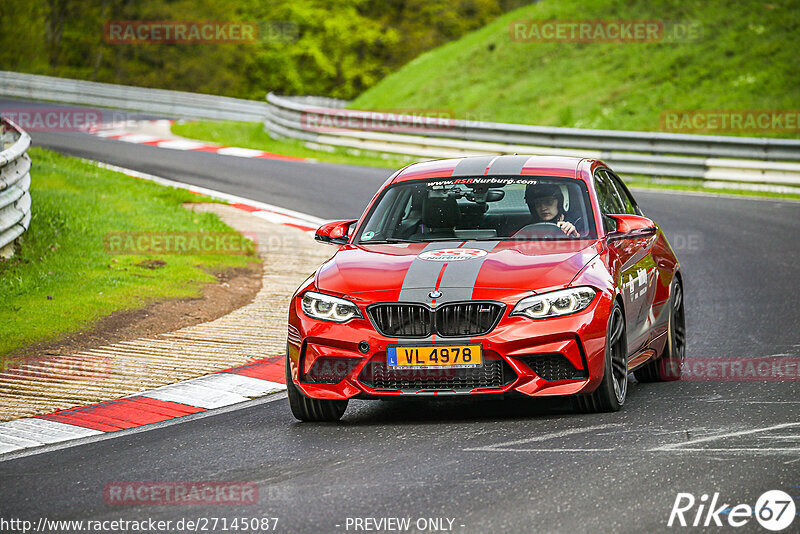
x,y
387,240
443,239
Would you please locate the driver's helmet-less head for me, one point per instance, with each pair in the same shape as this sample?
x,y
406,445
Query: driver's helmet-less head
x,y
538,191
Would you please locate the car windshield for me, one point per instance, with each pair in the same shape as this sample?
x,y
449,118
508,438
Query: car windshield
x,y
480,208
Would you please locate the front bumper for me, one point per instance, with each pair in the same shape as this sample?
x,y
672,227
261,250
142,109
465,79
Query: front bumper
x,y
556,356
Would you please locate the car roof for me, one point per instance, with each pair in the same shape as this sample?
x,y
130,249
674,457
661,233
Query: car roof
x,y
562,166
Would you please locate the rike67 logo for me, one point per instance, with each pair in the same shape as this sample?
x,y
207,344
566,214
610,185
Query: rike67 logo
x,y
775,510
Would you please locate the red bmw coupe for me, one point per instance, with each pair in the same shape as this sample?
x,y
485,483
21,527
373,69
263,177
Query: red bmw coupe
x,y
490,275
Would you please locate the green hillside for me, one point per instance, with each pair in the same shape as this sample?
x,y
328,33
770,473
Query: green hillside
x,y
746,59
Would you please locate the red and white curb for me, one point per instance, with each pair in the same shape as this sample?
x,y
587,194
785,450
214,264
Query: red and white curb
x,y
211,392
172,143
224,388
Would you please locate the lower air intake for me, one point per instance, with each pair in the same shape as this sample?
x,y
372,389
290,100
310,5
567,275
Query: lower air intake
x,y
492,374
553,367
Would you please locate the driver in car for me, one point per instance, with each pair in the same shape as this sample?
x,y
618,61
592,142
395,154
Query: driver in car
x,y
546,203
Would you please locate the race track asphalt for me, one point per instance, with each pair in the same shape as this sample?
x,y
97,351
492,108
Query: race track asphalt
x,y
512,466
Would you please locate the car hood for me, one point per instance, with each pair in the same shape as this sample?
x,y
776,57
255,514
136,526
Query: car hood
x,y
410,271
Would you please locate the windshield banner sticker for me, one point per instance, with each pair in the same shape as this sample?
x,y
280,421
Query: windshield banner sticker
x,y
499,182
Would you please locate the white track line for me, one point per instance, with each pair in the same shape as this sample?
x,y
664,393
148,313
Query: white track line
x,y
739,450
498,447
684,446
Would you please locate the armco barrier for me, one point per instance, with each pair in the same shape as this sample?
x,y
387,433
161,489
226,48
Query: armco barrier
x,y
737,159
176,104
750,160
15,181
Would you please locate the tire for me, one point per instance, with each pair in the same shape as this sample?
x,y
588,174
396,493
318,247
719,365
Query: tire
x,y
611,393
312,410
669,366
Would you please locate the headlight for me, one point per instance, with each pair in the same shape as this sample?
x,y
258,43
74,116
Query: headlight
x,y
328,308
555,303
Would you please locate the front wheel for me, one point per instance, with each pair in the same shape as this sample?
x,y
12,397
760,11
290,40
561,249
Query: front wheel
x,y
669,366
610,394
312,410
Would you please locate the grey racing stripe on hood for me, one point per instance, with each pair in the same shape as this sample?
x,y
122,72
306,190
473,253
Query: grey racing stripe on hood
x,y
459,278
421,276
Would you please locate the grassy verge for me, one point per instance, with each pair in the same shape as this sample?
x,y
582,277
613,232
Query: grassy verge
x,y
252,135
738,60
63,278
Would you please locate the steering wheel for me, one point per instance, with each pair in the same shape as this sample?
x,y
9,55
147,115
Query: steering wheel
x,y
540,229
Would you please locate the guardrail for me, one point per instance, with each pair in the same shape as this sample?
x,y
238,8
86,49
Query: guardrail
x,y
749,160
765,160
15,182
177,104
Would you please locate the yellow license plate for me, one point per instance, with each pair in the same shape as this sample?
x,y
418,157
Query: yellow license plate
x,y
435,356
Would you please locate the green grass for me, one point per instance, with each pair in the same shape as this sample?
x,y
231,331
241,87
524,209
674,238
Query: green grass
x,y
745,60
252,135
62,279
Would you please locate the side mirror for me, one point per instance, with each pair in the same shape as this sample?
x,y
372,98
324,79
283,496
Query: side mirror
x,y
334,232
632,227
